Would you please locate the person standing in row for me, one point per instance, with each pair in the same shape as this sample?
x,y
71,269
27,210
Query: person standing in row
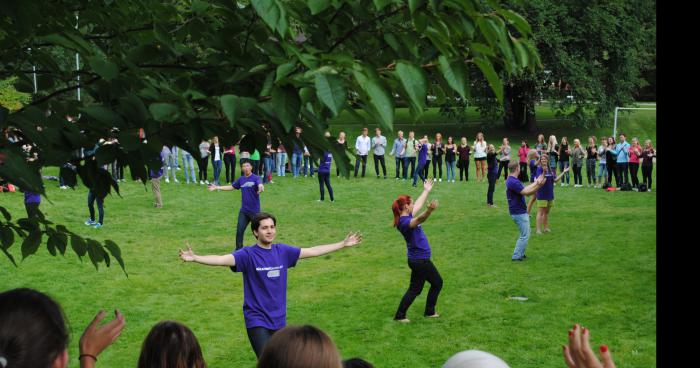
x,y
522,155
378,149
612,162
515,193
267,161
438,152
563,154
635,152
203,162
504,152
480,156
155,176
602,162
297,153
545,195
324,173
648,155
250,186
216,152
621,153
450,158
255,159
418,251
493,175
553,151
532,158
428,157
422,147
230,162
577,157
342,146
463,163
264,267
591,158
410,153
362,146
281,158
541,146
398,150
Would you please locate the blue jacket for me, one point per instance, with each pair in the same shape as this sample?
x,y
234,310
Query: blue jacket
x,y
622,152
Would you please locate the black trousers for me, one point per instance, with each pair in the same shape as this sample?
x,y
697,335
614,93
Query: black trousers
x,y
463,169
230,167
634,168
491,176
325,178
523,172
258,337
411,161
623,173
612,171
437,166
578,178
646,175
203,164
379,158
503,165
363,159
426,169
32,210
422,270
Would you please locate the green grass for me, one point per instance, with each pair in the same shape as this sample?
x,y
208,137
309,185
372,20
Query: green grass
x,y
597,267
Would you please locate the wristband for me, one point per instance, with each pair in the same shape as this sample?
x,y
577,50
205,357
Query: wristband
x,y
87,355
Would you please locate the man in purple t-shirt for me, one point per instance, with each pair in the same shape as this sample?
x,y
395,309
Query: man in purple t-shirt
x,y
250,186
515,193
264,267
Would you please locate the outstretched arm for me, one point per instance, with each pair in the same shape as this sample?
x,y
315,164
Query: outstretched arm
x,y
556,180
319,250
424,216
420,201
220,187
532,188
210,260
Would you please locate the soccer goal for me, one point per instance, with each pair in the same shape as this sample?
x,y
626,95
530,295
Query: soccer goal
x,y
628,108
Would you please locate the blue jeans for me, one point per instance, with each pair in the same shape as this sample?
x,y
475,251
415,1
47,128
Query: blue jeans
x,y
281,162
401,164
244,219
267,162
175,156
308,166
296,163
170,167
418,173
217,170
450,165
603,170
523,222
188,163
563,165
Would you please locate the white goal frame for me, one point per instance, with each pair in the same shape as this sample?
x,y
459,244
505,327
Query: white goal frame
x,y
627,108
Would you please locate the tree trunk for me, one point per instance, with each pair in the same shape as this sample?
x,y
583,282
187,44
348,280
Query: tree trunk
x,y
519,106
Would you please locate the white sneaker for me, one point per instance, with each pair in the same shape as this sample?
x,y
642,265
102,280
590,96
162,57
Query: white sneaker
x,y
206,182
562,184
175,180
167,180
440,179
201,182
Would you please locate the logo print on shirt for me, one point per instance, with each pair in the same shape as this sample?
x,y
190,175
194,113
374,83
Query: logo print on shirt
x,y
272,272
248,184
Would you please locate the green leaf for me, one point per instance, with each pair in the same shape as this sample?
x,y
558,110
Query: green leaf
x,y
31,243
267,84
381,4
103,67
113,248
258,68
415,4
317,6
273,14
7,236
95,252
103,115
67,42
6,213
287,105
284,70
491,76
414,81
379,98
455,74
163,111
234,106
10,257
51,247
330,91
482,49
517,20
79,245
521,54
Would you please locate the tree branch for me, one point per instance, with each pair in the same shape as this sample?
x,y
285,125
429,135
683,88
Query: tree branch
x,y
61,91
365,24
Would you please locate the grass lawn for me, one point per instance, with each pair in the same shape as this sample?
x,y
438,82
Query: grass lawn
x,y
597,268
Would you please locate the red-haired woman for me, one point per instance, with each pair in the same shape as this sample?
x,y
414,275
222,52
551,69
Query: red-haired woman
x,y
418,250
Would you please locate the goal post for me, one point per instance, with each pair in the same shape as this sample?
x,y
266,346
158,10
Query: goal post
x,y
618,108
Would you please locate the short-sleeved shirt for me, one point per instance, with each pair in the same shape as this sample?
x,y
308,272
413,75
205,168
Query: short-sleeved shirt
x,y
423,154
546,192
516,201
31,197
325,166
265,283
250,198
417,246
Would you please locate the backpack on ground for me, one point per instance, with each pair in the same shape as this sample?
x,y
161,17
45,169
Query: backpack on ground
x,y
642,187
626,187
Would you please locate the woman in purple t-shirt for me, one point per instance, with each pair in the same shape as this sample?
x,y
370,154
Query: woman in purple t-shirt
x,y
264,267
418,250
545,195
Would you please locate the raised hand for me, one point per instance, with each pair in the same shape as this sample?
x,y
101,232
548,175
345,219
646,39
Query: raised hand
x,y
428,185
97,338
187,255
352,239
433,204
578,354
541,180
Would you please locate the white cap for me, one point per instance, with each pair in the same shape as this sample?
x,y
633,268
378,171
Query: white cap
x,y
475,359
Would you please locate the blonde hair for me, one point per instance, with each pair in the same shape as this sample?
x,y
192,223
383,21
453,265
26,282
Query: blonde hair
x,y
551,145
475,359
531,154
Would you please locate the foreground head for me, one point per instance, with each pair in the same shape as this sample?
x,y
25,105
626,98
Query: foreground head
x,y
300,347
514,168
357,363
475,359
171,345
523,143
264,226
635,141
401,205
33,332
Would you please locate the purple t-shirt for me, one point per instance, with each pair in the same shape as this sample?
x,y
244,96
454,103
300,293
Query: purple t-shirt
x,y
516,201
325,167
250,198
31,197
265,283
423,154
417,246
546,192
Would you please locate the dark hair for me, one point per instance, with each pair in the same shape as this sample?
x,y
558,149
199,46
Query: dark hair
x,y
32,329
171,345
357,363
300,347
246,161
255,224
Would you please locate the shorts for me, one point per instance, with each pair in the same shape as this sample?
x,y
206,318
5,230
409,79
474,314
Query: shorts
x,y
479,158
545,203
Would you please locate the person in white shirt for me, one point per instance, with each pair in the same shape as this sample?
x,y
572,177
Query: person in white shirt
x,y
480,156
362,146
379,148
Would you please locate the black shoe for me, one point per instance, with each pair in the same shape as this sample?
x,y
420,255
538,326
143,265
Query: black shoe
x,y
517,259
